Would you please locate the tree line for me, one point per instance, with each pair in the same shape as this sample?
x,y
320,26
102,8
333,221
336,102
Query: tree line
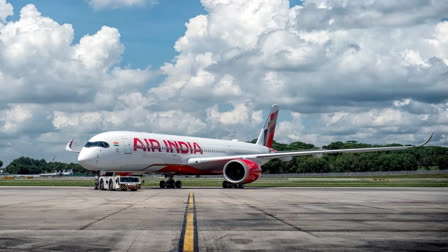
x,y
420,158
26,165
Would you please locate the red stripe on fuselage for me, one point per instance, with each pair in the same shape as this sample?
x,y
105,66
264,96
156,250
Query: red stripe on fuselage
x,y
186,170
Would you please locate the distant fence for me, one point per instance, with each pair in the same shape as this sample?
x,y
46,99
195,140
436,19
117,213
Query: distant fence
x,y
354,174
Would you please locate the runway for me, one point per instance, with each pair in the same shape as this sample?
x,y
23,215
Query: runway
x,y
251,219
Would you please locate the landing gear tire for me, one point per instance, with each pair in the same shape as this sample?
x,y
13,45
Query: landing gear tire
x,y
96,185
227,184
170,184
111,185
101,184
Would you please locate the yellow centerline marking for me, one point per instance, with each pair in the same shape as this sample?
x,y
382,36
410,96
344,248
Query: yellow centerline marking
x,y
189,227
188,240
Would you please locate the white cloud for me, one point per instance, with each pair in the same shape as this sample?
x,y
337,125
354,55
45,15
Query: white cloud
x,y
6,10
48,84
14,117
291,130
413,58
56,70
440,40
239,115
33,40
26,119
101,50
40,64
374,71
226,87
114,4
323,60
170,122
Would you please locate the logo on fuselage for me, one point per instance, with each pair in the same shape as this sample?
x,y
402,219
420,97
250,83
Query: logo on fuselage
x,y
153,145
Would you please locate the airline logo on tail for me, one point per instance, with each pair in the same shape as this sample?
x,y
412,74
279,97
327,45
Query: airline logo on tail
x,y
267,133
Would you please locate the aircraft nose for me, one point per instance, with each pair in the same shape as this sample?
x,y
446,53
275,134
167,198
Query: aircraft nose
x,y
87,159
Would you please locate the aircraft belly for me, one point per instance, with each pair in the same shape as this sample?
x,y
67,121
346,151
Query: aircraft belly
x,y
149,163
207,166
110,163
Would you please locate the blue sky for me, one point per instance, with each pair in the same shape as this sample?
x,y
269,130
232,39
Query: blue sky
x,y
148,32
373,71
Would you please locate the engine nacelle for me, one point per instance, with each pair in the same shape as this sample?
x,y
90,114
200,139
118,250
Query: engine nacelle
x,y
241,171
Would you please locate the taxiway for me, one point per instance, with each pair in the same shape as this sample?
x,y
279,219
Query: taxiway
x,y
255,219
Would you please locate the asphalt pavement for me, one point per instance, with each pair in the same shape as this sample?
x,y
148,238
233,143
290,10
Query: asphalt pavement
x,y
215,219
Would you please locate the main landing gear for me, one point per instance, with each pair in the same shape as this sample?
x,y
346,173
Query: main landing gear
x,y
170,183
227,184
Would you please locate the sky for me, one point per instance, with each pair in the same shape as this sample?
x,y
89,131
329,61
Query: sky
x,y
373,71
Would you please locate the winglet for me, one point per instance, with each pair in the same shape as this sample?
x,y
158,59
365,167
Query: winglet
x,y
427,140
68,147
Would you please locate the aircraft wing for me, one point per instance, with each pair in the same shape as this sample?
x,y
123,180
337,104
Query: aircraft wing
x,y
316,153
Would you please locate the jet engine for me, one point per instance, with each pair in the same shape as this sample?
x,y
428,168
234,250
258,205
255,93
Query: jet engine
x,y
241,171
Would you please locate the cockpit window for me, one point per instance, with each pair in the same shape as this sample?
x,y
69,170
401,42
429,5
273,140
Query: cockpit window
x,y
97,144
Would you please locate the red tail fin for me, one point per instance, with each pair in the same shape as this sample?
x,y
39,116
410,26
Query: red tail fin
x,y
266,136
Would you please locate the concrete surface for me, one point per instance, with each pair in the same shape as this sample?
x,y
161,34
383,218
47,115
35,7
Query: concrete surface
x,y
255,219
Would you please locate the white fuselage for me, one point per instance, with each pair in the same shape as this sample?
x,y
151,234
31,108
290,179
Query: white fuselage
x,y
147,152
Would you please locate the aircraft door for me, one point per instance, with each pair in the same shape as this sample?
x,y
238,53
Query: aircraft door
x,y
98,157
127,146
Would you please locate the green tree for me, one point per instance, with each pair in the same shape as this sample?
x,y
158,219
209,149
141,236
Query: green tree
x,y
25,165
442,162
426,157
1,163
315,165
334,146
300,146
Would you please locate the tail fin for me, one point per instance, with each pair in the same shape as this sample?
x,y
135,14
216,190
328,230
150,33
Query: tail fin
x,y
266,136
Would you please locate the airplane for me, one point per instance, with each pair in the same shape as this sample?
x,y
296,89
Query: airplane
x,y
53,174
58,173
170,155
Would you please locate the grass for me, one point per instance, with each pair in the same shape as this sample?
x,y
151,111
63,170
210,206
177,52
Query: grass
x,y
423,180
443,175
393,183
46,182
